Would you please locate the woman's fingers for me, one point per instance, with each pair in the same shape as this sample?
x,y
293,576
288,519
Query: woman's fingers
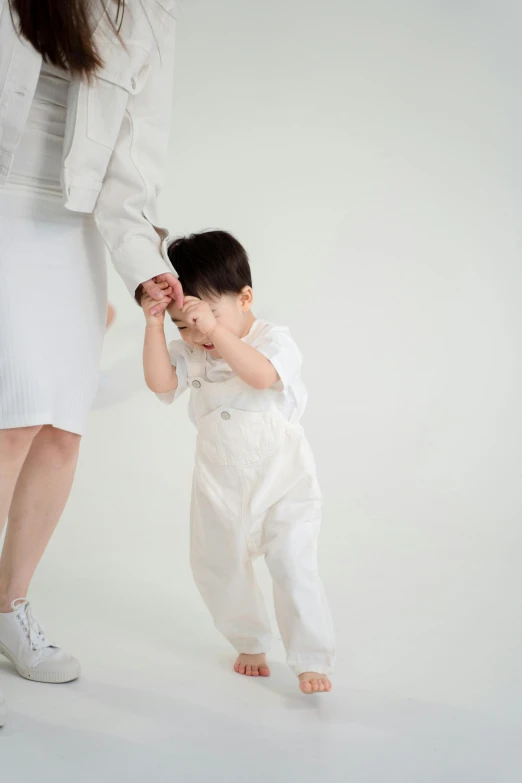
x,y
177,290
152,289
163,290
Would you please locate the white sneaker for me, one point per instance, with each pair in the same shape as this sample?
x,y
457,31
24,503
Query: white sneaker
x,y
3,710
24,643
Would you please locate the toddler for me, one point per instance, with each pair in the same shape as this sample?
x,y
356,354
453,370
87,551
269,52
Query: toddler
x,y
255,490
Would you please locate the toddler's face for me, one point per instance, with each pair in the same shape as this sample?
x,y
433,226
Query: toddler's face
x,y
231,311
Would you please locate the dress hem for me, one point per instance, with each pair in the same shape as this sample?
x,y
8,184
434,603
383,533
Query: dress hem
x,y
40,420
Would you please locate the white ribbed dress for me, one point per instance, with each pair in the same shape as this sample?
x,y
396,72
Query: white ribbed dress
x,y
53,285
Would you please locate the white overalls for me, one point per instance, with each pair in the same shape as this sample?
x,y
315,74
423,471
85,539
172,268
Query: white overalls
x,y
255,492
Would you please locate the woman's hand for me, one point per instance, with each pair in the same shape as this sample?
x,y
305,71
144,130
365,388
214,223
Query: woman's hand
x,y
163,295
153,309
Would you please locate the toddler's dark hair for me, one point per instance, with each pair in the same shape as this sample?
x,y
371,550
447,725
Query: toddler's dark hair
x,y
211,263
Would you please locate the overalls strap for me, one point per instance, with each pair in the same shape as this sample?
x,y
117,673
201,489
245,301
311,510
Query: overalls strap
x,y
196,367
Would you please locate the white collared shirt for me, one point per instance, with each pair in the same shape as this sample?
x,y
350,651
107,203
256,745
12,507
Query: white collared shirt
x,y
288,395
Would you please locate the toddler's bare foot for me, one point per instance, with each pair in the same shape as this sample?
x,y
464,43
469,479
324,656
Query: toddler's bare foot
x,y
252,665
312,682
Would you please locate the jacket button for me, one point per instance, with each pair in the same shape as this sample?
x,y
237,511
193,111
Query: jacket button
x,y
196,384
225,415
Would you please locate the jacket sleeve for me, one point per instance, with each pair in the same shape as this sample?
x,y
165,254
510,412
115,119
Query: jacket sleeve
x,y
126,209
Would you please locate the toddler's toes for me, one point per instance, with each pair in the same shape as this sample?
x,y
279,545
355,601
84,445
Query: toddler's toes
x,y
252,665
312,682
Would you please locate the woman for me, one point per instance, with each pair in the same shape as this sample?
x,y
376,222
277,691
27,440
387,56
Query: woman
x,y
85,93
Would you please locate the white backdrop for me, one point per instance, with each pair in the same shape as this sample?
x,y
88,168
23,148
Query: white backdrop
x,y
368,156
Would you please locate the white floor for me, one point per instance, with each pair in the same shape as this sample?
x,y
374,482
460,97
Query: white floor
x,y
366,154
412,703
170,707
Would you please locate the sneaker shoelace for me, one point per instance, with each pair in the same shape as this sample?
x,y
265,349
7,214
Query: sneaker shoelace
x,y
33,630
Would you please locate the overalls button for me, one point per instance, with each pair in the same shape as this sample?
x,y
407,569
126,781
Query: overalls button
x,y
225,415
196,384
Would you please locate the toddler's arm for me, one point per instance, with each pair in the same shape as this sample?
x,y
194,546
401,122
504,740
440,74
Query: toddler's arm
x,y
251,366
160,375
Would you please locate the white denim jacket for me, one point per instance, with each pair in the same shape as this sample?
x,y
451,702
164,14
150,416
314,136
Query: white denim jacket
x,y
117,128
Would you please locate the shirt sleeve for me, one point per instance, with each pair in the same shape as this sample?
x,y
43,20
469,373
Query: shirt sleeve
x,y
126,209
178,357
276,343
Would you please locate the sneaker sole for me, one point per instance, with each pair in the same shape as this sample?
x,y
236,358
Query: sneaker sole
x,y
56,678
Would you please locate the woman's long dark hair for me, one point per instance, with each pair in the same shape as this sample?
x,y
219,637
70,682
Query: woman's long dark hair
x,y
61,30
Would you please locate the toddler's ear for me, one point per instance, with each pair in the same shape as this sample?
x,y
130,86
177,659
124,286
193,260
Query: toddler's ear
x,y
246,298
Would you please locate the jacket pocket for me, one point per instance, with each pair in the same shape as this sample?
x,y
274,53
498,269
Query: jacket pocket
x,y
124,74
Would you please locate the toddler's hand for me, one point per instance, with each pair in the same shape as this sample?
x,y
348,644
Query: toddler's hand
x,y
199,313
148,304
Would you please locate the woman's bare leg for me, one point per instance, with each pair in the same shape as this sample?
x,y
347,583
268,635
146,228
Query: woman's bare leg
x,y
14,448
35,485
